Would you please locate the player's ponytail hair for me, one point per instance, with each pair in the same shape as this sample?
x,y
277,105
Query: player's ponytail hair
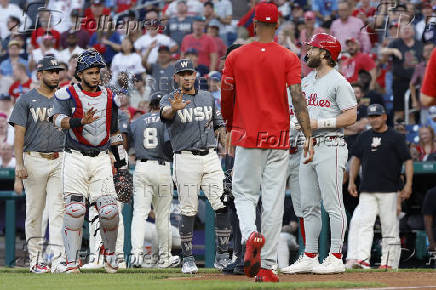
x,y
328,58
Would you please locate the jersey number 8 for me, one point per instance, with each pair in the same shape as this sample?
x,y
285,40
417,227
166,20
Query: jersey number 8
x,y
150,138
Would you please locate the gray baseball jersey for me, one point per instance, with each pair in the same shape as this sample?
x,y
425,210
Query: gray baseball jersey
x,y
73,102
193,127
123,122
149,135
32,111
327,97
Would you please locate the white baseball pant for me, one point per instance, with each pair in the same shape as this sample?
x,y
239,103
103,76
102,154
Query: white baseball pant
x,y
152,186
151,237
43,186
353,236
385,206
261,173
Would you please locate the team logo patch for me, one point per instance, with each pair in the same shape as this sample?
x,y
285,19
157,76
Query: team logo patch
x,y
184,63
376,142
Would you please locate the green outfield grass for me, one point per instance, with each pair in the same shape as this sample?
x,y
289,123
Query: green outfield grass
x,y
14,279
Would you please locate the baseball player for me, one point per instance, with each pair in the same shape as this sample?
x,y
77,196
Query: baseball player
x,y
332,106
192,121
40,166
255,105
152,183
90,114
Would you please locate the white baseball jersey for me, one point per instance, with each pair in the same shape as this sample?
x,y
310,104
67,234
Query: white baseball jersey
x,y
327,97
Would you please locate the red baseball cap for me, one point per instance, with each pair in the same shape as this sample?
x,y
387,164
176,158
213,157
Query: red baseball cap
x,y
266,12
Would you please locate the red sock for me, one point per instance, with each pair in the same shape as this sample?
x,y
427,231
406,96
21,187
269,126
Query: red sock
x,y
337,255
311,255
303,233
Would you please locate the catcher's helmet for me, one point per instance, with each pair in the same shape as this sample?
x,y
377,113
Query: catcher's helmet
x,y
327,42
88,59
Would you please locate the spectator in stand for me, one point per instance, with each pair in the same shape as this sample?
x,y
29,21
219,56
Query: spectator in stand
x,y
286,38
162,71
123,5
93,15
369,96
6,134
140,92
204,44
382,152
64,79
418,77
22,82
192,54
325,9
428,89
195,8
213,30
126,60
429,211
427,12
348,26
6,156
284,8
297,12
61,21
7,9
208,12
246,23
72,42
46,46
427,143
356,62
180,25
82,34
406,54
14,52
6,82
13,25
364,10
306,34
153,39
45,27
107,42
214,83
223,13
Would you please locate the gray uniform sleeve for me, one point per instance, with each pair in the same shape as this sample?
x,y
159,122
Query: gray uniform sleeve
x,y
19,113
218,121
165,101
62,107
345,97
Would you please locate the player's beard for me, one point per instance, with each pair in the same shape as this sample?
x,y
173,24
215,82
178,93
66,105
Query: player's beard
x,y
50,86
314,62
89,85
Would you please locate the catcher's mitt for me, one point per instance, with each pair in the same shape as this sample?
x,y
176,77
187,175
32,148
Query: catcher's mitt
x,y
123,181
227,197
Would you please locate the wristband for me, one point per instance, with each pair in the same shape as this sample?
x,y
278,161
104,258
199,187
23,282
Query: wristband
x,y
327,123
116,138
58,120
75,122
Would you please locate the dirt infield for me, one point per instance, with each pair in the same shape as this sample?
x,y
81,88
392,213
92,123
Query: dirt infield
x,y
389,279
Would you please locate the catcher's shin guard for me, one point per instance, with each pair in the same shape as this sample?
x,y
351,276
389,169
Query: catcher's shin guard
x,y
75,211
108,212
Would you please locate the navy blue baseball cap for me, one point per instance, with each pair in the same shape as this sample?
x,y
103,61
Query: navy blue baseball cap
x,y
375,110
183,65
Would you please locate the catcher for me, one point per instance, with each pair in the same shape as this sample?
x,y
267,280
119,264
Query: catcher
x,y
90,114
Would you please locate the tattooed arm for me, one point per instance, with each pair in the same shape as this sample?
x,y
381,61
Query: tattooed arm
x,y
300,108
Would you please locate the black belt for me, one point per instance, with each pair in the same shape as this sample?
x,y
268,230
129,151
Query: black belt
x,y
195,152
92,153
160,162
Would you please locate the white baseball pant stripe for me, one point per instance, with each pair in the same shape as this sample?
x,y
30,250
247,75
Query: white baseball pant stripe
x,y
321,180
152,186
261,173
293,181
385,206
43,186
192,172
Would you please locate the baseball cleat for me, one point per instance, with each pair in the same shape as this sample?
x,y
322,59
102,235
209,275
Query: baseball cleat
x,y
385,267
59,268
111,263
171,262
253,248
361,265
91,266
330,265
73,270
304,264
188,265
40,268
221,260
265,275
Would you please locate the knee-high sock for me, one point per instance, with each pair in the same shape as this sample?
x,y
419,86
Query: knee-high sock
x,y
186,229
222,230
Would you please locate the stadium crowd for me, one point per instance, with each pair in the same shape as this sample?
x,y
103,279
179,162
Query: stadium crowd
x,y
385,49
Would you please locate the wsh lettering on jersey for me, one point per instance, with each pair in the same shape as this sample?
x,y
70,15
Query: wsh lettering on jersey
x,y
40,114
196,114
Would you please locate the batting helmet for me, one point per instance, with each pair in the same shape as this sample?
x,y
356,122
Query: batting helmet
x,y
327,42
88,59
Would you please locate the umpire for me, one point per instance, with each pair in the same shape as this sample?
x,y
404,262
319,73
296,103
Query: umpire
x,y
382,152
40,166
192,121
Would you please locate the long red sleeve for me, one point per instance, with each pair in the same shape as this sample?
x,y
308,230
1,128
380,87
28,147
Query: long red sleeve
x,y
228,94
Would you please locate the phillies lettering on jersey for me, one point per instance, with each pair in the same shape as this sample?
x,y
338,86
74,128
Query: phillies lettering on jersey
x,y
96,133
41,114
313,100
196,114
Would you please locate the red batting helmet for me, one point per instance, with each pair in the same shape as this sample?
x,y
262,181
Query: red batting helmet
x,y
327,42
